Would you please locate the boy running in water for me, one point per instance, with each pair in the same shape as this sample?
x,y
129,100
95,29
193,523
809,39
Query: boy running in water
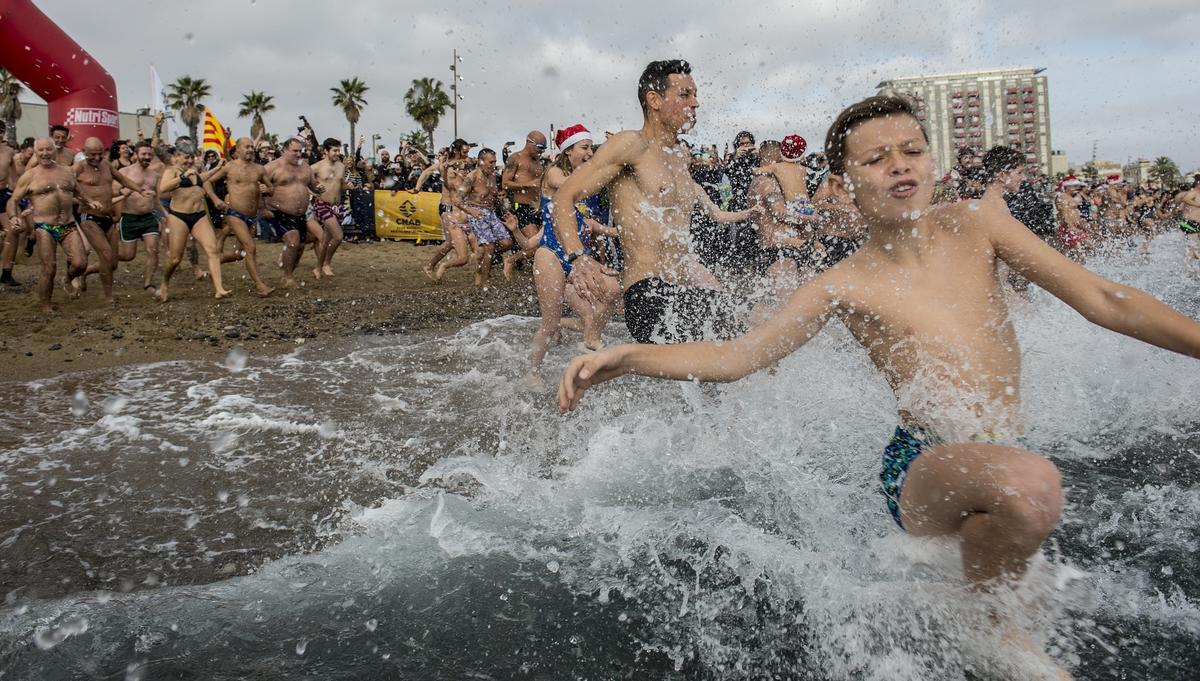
x,y
922,296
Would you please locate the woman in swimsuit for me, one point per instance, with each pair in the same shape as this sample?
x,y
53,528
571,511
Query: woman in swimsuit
x,y
187,214
550,263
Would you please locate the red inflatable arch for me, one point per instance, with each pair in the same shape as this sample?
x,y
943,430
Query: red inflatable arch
x,y
78,91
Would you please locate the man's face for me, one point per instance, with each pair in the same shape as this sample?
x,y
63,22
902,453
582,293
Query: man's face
x,y
889,168
59,137
44,149
1012,179
94,155
291,153
334,154
145,155
678,103
535,143
384,157
487,164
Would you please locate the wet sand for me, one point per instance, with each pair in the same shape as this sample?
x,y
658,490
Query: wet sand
x,y
379,288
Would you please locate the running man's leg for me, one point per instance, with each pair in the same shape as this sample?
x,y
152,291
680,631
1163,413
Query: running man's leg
x,y
97,239
333,239
250,250
47,250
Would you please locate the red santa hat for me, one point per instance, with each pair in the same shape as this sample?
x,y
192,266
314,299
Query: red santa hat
x,y
792,147
572,134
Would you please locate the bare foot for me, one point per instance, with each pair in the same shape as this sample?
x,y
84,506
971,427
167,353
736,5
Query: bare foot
x,y
317,274
429,273
288,282
263,290
150,288
533,383
201,275
71,287
161,294
48,309
439,273
508,269
327,270
222,293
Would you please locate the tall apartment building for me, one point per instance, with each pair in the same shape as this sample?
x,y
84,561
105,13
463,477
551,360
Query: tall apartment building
x,y
981,109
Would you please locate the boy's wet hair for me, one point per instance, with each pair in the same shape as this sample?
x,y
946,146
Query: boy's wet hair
x,y
654,78
852,116
1001,159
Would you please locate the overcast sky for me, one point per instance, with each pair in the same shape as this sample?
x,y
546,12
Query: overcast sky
x,y
1121,74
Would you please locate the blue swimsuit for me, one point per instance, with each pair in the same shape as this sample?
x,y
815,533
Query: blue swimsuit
x,y
589,207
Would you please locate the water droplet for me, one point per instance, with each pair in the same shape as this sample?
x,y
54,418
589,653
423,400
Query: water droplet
x,y
327,430
135,671
1168,570
552,566
45,639
371,624
622,617
235,361
192,521
113,405
301,646
79,404
183,461
222,496
223,443
189,36
973,204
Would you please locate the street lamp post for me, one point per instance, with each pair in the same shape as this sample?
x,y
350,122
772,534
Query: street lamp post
x,y
375,148
455,98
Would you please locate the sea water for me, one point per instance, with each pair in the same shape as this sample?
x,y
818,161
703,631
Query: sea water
x,y
399,507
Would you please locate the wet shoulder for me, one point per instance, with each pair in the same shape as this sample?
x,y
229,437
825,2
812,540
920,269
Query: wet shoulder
x,y
626,146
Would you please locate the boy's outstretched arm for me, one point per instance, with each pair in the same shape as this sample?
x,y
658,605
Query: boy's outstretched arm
x,y
799,320
1116,307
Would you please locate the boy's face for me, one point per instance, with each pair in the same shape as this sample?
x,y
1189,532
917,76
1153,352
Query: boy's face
x,y
889,168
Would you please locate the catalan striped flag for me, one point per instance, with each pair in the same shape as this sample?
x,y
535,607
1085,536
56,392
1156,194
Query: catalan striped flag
x,y
214,133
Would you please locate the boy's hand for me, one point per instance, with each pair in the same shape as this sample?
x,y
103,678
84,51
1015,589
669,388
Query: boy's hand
x,y
585,371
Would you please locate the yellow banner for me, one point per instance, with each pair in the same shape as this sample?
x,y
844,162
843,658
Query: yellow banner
x,y
404,215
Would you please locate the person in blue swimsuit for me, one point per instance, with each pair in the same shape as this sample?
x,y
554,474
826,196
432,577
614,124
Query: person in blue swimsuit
x,y
551,263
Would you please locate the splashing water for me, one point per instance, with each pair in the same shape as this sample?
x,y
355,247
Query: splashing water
x,y
666,530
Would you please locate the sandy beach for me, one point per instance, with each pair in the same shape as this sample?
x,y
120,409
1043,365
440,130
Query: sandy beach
x,y
379,288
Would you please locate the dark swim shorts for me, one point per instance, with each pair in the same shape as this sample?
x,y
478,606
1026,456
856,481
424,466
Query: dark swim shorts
x,y
658,312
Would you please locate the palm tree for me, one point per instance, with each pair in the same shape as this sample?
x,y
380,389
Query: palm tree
x,y
426,102
1165,171
186,95
348,96
256,104
10,105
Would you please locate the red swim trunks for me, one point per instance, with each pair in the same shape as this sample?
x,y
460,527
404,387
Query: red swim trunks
x,y
327,211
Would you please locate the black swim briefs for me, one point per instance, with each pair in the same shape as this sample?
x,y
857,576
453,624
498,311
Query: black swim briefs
x,y
662,313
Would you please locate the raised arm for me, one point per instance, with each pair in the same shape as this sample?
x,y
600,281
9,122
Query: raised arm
x,y
429,170
798,321
1116,307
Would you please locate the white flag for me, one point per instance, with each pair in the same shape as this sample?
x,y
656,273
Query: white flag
x,y
159,103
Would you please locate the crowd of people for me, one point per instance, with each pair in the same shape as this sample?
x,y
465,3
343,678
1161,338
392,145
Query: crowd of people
x,y
726,262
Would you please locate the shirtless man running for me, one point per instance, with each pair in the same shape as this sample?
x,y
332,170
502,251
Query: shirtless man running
x,y
480,206
1189,217
138,221
8,179
454,220
669,295
54,192
289,185
328,209
12,234
95,176
522,180
245,181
